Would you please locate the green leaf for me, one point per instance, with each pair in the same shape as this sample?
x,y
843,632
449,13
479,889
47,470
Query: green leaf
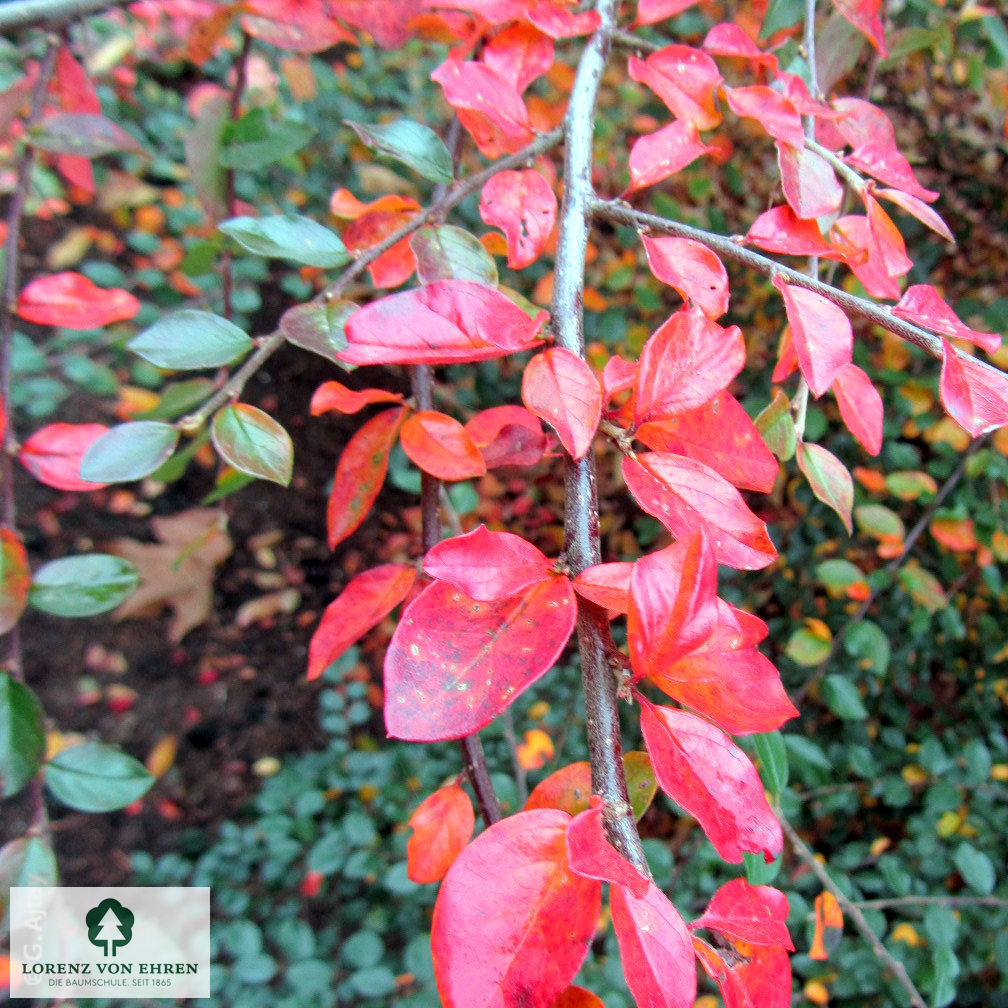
x,y
641,781
22,735
203,142
781,14
976,868
758,872
190,339
252,442
806,648
777,428
867,642
413,144
449,253
282,140
923,587
946,967
362,949
839,574
829,479
129,451
773,760
318,326
82,134
83,585
843,698
374,982
178,398
94,777
288,236
328,854
879,521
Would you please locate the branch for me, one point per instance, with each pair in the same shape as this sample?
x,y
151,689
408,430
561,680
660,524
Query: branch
x,y
729,248
268,345
899,902
581,517
853,912
27,13
230,203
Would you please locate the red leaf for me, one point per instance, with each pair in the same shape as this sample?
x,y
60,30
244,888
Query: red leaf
x,y
672,604
454,664
299,36
15,579
753,914
364,603
686,362
568,789
692,269
864,15
448,322
922,304
507,436
522,205
519,54
686,496
860,406
71,301
360,474
53,454
331,396
590,854
618,375
607,585
512,923
578,997
809,182
76,94
386,21
823,339
759,977
701,769
781,230
658,155
720,435
651,11
919,209
655,949
560,22
396,264
975,394
685,79
852,236
487,105
487,566
727,39
443,825
439,445
772,110
886,236
884,162
727,680
560,388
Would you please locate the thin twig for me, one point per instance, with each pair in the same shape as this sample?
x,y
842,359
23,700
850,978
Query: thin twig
x,y
900,902
28,13
15,212
729,248
896,562
581,518
853,913
268,345
634,41
230,201
521,781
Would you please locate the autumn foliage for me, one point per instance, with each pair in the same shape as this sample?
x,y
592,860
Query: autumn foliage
x,y
485,614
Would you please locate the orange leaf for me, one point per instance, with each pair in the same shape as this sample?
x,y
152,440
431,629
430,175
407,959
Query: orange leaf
x,y
443,825
828,926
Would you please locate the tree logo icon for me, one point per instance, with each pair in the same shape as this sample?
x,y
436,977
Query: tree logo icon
x,y
110,925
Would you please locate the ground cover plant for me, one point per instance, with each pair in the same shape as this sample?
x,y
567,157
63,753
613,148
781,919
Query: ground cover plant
x,y
487,613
